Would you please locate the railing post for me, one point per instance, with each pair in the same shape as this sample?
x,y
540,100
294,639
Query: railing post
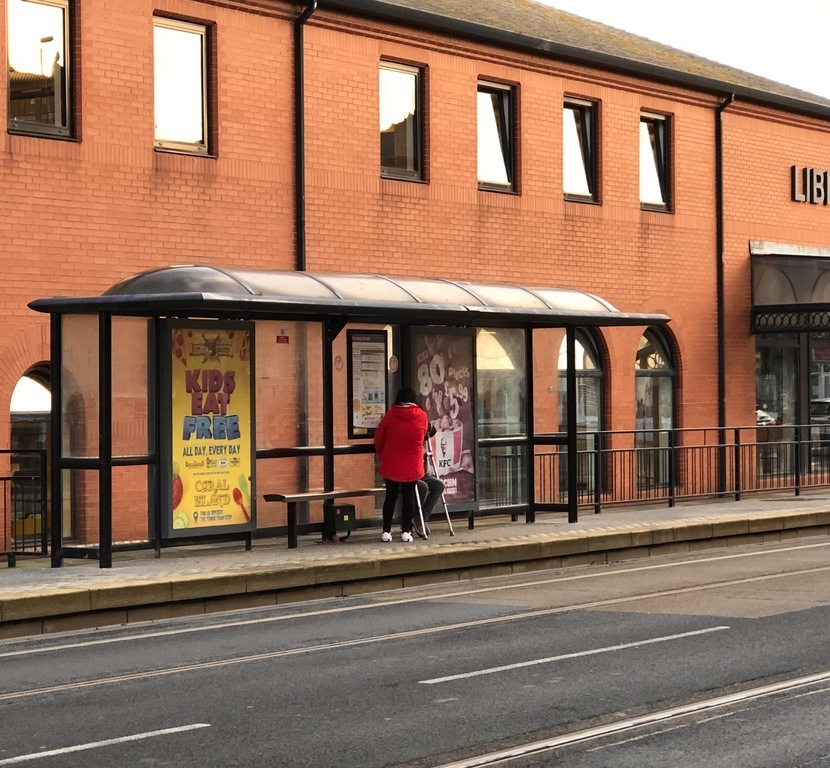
x,y
737,464
597,473
798,460
671,452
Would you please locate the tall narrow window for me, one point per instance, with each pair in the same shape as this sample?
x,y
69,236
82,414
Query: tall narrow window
x,y
579,164
654,162
496,150
38,49
589,407
654,395
180,59
401,153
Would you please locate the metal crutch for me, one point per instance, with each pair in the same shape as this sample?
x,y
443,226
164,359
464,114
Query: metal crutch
x,y
421,512
431,457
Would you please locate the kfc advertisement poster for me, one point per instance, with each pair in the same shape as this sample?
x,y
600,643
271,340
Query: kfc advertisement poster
x,y
443,372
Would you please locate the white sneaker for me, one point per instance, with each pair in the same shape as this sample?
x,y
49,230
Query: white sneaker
x,y
405,536
386,536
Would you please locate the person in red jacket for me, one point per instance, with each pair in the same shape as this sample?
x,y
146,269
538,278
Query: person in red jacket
x,y
399,442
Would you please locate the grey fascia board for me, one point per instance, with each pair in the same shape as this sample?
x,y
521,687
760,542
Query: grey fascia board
x,y
621,64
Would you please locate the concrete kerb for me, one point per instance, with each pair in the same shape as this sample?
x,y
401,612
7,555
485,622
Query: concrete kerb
x,y
371,570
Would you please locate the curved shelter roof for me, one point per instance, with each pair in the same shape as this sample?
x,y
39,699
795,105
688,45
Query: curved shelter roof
x,y
209,291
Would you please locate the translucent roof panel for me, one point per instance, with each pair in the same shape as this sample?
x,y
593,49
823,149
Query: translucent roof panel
x,y
434,291
570,300
199,290
508,296
366,288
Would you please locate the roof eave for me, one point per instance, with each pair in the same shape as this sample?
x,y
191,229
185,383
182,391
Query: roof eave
x,y
254,307
621,64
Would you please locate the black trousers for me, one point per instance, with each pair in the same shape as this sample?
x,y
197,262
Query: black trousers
x,y
407,491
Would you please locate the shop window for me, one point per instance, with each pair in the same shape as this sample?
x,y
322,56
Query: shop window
x,y
401,121
496,142
654,397
38,50
655,168
579,160
181,86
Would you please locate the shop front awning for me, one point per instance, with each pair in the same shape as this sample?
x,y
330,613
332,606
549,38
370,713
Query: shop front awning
x,y
209,291
790,288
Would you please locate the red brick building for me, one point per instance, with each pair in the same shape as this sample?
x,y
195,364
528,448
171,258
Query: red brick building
x,y
499,141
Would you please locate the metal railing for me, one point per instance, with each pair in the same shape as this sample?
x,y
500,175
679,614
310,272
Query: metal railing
x,y
24,529
625,467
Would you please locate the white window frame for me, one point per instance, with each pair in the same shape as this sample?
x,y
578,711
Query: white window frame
x,y
175,129
496,141
53,49
387,113
579,150
655,161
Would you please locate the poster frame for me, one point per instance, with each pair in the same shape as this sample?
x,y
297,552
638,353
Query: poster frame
x,y
381,338
166,425
414,331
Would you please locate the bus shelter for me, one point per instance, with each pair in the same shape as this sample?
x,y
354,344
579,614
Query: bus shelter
x,y
183,395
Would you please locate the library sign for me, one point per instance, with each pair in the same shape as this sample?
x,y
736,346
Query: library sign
x,y
810,185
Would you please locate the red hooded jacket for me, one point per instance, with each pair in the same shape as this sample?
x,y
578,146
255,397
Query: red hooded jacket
x,y
399,441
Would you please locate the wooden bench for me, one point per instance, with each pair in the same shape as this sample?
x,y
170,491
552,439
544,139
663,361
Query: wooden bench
x,y
329,512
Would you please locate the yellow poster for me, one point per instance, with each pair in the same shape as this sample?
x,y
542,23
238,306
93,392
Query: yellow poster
x,y
211,427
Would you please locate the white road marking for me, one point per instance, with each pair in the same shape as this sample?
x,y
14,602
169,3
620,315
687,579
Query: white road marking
x,y
575,655
422,632
104,743
620,726
410,600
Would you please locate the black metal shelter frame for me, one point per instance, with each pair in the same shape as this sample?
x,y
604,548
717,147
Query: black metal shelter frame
x,y
208,292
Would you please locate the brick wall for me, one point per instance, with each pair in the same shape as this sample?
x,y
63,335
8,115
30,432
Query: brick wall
x,y
81,215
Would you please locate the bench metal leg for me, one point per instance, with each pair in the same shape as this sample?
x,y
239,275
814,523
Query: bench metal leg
x,y
292,525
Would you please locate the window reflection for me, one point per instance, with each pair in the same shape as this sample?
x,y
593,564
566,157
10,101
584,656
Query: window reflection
x,y
578,164
654,165
500,372
180,85
38,73
654,397
495,141
399,121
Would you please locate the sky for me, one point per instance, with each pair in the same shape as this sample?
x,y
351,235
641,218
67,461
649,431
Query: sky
x,y
786,42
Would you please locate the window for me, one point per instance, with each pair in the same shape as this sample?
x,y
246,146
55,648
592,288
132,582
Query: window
x,y
38,49
496,151
180,57
589,415
579,161
654,162
401,152
654,394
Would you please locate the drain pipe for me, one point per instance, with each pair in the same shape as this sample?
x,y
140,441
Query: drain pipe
x,y
299,134
721,292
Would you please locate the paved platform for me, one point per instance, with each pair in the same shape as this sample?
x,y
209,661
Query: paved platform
x,y
36,599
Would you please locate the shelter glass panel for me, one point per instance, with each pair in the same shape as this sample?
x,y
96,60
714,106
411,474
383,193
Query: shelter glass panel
x,y
289,388
130,386
80,395
501,378
502,475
